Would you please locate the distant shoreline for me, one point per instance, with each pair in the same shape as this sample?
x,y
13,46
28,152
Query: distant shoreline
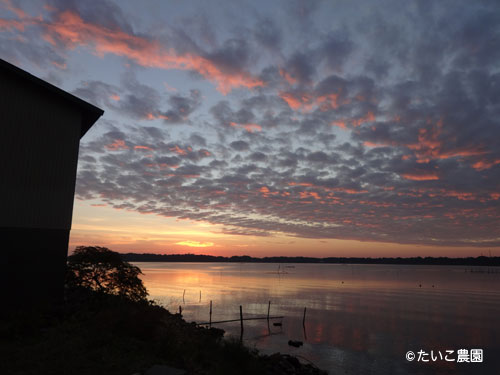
x,y
443,261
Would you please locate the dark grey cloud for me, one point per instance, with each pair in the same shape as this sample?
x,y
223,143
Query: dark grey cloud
x,y
335,49
381,125
98,93
301,67
268,34
181,107
233,56
363,200
239,145
139,101
405,150
258,157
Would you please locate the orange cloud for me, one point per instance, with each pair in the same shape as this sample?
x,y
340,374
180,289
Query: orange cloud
x,y
169,88
266,192
118,144
327,102
459,195
21,14
307,102
115,97
485,164
248,127
151,116
350,191
287,76
143,148
300,184
430,147
340,124
60,66
178,150
369,117
421,177
374,144
11,24
69,28
378,204
306,194
291,100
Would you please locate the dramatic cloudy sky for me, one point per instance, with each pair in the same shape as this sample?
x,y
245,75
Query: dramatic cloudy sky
x,y
363,128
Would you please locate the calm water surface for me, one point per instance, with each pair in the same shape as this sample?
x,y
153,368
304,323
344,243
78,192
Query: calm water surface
x,y
360,319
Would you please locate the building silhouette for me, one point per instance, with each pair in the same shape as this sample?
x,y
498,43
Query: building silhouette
x,y
40,131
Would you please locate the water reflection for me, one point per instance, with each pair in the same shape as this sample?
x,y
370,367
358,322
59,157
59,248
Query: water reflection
x,y
360,318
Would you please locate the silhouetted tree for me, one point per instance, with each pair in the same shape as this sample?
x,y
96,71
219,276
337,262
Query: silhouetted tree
x,y
103,270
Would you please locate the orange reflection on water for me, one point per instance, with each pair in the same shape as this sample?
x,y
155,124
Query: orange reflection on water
x,y
362,313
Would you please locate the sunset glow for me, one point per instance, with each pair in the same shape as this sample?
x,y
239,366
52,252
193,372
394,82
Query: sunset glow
x,y
283,131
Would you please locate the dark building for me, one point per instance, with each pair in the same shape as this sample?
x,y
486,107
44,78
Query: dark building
x,y
40,130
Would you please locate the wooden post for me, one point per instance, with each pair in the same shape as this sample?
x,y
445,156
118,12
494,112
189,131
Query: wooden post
x,y
183,294
268,326
241,319
180,310
304,318
210,321
200,295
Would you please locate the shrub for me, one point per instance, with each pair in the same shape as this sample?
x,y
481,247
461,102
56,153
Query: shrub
x,y
102,270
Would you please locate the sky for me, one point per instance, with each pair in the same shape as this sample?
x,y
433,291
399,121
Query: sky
x,y
314,128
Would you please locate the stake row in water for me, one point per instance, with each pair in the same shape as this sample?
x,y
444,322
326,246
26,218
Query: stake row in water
x,y
241,319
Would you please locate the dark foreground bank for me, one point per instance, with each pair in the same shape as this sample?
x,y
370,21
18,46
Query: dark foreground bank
x,y
104,334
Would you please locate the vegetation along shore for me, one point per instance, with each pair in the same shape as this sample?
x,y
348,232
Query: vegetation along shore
x,y
106,325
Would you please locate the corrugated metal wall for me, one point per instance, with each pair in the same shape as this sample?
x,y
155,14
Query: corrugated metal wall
x,y
39,140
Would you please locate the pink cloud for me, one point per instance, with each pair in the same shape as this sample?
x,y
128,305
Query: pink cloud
x,y
248,127
143,148
421,176
485,164
430,146
287,76
179,150
21,14
118,144
71,30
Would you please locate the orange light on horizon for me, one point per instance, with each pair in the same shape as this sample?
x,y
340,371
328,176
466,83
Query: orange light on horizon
x,y
195,244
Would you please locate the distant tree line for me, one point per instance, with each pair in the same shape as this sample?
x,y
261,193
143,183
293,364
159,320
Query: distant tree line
x,y
470,261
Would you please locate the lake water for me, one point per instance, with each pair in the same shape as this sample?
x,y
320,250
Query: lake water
x,y
360,319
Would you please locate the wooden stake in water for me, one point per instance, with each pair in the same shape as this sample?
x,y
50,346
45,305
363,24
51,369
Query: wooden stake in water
x,y
210,321
180,310
268,309
241,319
200,295
183,294
304,318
